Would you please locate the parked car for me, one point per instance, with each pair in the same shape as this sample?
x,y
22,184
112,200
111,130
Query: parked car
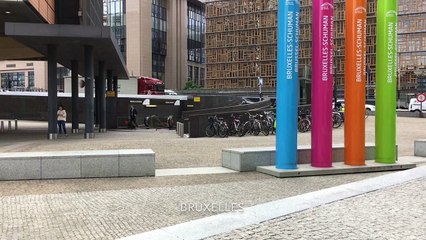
x,y
369,104
414,105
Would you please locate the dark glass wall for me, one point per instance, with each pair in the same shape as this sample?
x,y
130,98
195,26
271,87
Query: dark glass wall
x,y
196,32
159,38
115,16
196,42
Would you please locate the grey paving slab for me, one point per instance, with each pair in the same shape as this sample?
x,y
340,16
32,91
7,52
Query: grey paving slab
x,y
221,223
192,171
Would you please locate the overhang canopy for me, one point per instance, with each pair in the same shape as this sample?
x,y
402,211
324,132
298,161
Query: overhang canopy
x,y
70,41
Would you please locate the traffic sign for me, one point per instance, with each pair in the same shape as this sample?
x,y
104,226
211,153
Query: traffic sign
x,y
421,97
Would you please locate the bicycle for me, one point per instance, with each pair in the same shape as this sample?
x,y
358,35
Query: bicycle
x,y
251,126
235,124
216,127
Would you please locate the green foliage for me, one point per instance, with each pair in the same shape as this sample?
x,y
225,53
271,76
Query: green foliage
x,y
191,85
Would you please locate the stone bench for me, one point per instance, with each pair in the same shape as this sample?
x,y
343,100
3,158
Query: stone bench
x,y
77,164
247,159
420,147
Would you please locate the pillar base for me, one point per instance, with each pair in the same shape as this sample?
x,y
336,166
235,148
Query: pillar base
x,y
89,135
75,130
102,130
52,136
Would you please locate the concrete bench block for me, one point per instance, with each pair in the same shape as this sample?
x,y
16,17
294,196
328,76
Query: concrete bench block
x,y
420,147
20,168
99,166
136,163
77,164
60,167
247,159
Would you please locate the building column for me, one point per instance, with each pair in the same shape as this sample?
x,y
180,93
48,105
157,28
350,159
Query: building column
x,y
74,95
101,98
89,76
52,91
97,94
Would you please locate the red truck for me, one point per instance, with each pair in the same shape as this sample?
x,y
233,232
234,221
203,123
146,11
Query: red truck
x,y
153,86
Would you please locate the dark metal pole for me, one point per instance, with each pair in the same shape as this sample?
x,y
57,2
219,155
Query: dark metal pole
x,y
74,95
89,75
52,92
101,98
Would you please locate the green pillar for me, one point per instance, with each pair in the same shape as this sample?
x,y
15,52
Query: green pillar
x,y
387,16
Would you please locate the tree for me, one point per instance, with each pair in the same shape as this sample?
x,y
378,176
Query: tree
x,y
191,85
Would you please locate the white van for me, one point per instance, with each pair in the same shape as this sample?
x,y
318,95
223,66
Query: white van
x,y
414,105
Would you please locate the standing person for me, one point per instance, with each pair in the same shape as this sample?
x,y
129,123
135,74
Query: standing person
x,y
133,112
61,117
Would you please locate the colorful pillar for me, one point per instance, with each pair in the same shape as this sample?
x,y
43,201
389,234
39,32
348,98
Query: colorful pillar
x,y
287,84
387,13
356,21
322,82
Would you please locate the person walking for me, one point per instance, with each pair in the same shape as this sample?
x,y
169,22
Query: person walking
x,y
132,114
61,117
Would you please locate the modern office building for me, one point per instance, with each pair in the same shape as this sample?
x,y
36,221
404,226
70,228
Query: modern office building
x,y
65,32
163,39
241,43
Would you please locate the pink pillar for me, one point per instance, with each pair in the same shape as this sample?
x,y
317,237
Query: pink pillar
x,y
322,82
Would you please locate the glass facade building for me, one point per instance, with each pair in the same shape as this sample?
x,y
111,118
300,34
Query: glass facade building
x,y
115,17
196,43
159,38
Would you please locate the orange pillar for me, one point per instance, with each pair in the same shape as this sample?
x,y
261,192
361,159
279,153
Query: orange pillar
x,y
355,69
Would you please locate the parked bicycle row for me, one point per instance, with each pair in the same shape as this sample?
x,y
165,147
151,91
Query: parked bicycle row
x,y
264,123
304,120
257,123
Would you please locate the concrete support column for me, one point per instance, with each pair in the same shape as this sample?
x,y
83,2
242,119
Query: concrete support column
x,y
89,76
74,95
97,94
115,80
101,98
52,91
109,80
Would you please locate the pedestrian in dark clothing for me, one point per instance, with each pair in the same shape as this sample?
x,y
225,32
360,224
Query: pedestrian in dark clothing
x,y
132,116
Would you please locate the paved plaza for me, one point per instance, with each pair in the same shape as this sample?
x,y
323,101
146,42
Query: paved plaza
x,y
119,207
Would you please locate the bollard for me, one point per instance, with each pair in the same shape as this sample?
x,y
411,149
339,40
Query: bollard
x,y
9,125
16,124
2,126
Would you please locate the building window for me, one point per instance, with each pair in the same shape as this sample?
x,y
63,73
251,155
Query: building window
x,y
114,16
158,66
189,72
31,81
14,81
62,72
196,32
159,38
30,64
196,77
202,77
10,65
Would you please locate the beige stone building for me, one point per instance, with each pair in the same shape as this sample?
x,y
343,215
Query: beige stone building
x,y
165,40
23,75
